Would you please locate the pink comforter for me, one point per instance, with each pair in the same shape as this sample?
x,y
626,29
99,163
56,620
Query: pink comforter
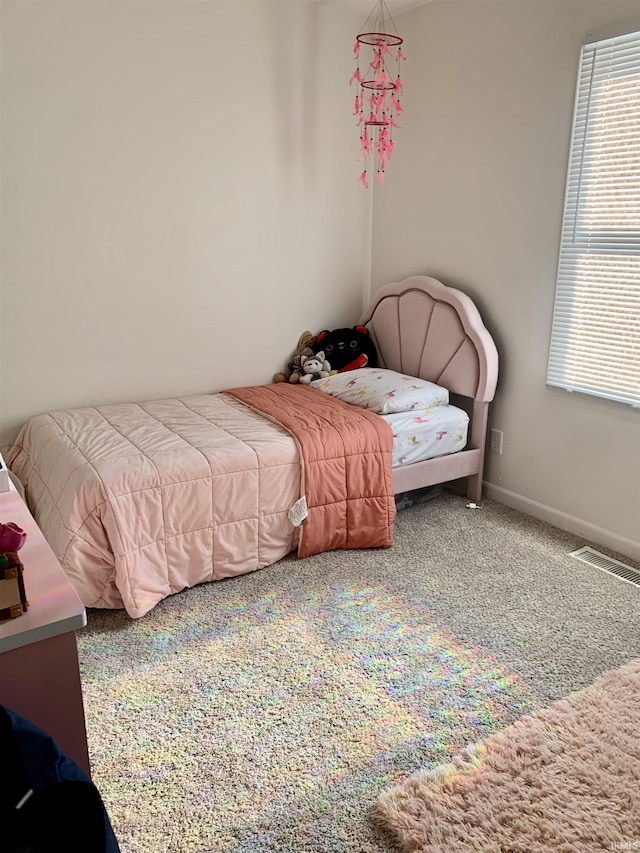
x,y
141,501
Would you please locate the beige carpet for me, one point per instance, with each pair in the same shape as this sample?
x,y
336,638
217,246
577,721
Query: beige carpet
x,y
565,779
266,713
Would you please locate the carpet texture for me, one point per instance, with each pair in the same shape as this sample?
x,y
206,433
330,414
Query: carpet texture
x,y
268,712
565,779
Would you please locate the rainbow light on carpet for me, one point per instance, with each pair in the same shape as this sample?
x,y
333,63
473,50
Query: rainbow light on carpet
x,y
287,705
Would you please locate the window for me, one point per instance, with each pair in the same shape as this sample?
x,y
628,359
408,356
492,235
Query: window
x,y
595,339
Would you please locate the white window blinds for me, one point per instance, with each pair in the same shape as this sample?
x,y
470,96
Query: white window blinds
x,y
595,339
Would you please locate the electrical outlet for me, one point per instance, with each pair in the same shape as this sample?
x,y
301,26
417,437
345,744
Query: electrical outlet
x,y
495,440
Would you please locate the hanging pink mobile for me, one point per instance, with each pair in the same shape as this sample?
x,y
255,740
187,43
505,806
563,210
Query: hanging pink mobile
x,y
377,102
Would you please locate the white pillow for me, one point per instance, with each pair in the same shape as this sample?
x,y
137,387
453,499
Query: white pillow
x,y
383,391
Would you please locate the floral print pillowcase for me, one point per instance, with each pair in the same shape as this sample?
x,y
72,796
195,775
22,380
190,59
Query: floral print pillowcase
x,y
383,391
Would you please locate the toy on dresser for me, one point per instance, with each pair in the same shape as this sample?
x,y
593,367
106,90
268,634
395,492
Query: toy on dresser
x,y
13,599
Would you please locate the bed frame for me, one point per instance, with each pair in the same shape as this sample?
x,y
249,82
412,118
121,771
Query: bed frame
x,y
424,328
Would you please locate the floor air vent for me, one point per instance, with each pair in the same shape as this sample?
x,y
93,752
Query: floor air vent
x,y
607,564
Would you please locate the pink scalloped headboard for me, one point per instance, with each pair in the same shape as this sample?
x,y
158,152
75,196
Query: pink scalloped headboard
x,y
424,328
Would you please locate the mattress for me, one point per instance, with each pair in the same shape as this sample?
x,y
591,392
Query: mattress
x,y
425,434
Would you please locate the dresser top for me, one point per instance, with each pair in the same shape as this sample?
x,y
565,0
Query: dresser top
x,y
54,607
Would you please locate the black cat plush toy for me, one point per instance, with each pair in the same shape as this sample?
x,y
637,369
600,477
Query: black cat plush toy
x,y
347,349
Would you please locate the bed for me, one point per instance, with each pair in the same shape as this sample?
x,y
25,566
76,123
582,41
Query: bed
x,y
139,501
424,328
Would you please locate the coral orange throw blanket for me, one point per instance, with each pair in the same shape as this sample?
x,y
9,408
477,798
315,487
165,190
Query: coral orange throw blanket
x,y
346,457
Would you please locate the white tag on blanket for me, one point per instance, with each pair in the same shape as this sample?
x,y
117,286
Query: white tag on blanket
x,y
298,512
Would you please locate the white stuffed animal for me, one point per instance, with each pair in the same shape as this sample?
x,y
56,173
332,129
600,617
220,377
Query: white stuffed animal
x,y
314,367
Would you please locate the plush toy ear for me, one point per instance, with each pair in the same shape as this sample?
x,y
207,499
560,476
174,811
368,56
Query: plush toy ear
x,y
320,356
362,329
322,335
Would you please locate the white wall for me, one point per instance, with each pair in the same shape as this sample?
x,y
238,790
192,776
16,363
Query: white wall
x,y
179,196
474,196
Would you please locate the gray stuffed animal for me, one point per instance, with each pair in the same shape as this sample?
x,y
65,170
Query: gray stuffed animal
x,y
314,367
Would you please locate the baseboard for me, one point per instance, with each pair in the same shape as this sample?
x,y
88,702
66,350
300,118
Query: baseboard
x,y
569,523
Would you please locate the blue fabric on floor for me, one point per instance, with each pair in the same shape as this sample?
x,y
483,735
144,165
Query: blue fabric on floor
x,y
64,810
